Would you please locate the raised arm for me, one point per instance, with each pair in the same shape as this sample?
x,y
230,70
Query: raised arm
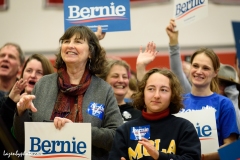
x,y
175,59
144,58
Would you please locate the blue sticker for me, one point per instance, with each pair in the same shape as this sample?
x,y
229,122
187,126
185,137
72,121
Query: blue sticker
x,y
96,109
140,131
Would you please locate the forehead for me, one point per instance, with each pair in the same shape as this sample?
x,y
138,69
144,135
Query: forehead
x,y
158,79
203,59
116,68
76,35
9,49
34,63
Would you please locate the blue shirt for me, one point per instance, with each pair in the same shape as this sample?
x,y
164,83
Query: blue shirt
x,y
224,112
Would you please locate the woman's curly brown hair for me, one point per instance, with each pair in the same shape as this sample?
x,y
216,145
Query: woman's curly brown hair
x,y
176,88
98,54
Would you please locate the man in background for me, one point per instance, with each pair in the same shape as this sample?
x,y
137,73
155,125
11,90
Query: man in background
x,y
11,62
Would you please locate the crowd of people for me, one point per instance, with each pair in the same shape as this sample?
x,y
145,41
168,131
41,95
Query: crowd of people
x,y
130,103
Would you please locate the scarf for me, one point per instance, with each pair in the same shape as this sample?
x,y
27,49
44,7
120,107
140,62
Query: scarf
x,y
70,97
155,116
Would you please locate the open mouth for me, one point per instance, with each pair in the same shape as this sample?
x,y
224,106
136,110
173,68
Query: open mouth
x,y
4,66
32,82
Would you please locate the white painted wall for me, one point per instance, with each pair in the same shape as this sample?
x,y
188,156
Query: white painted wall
x,y
38,29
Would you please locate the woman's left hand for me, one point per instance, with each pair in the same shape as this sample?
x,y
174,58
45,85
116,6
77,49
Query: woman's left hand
x,y
150,148
60,122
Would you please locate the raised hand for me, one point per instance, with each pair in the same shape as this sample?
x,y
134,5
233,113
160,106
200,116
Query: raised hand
x,y
18,87
24,103
100,35
144,58
173,35
148,55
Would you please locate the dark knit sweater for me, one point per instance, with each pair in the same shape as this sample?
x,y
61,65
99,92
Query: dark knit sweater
x,y
167,134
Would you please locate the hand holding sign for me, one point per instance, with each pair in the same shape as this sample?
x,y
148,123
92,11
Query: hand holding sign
x,y
186,12
172,34
60,122
100,35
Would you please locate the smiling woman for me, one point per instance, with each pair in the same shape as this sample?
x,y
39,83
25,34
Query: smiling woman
x,y
74,92
117,73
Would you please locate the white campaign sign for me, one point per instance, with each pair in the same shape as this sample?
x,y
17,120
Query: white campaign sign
x,y
44,141
186,12
205,124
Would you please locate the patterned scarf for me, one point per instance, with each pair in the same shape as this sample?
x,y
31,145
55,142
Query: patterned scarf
x,y
70,97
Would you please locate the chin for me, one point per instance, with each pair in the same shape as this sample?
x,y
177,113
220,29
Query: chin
x,y
28,91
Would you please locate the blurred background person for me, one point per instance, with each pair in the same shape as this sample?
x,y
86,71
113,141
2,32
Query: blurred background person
x,y
117,74
11,61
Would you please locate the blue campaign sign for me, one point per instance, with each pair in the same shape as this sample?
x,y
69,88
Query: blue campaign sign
x,y
111,15
230,152
236,32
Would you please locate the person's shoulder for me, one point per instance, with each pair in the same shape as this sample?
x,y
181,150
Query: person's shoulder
x,y
48,78
132,123
221,98
99,82
179,120
52,75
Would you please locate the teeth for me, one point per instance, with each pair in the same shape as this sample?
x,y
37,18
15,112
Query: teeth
x,y
120,87
71,53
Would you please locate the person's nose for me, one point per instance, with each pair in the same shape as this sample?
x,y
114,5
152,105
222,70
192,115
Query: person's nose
x,y
71,45
5,58
199,70
157,94
120,79
33,74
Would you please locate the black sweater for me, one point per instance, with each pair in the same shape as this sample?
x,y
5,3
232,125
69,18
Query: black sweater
x,y
128,112
175,130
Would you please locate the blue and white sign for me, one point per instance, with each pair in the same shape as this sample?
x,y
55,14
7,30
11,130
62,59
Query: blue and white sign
x,y
186,12
111,15
206,128
44,141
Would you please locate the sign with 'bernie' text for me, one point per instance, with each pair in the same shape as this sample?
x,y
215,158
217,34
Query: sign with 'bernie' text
x,y
205,124
44,141
111,15
186,12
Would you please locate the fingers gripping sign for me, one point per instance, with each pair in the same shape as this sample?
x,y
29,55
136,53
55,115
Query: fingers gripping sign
x,y
60,122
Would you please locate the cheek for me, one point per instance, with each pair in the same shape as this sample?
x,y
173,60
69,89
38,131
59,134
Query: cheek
x,y
25,76
111,81
126,82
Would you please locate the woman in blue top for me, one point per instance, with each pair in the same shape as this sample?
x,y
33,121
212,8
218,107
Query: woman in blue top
x,y
202,92
203,76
